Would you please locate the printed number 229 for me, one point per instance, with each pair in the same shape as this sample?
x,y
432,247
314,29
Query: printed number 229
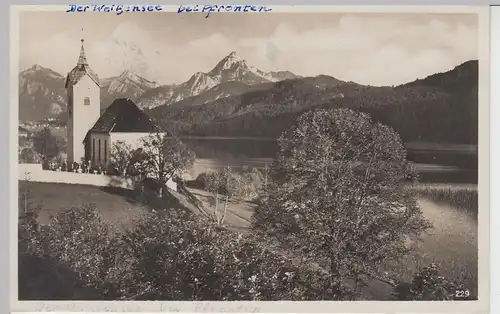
x,y
462,294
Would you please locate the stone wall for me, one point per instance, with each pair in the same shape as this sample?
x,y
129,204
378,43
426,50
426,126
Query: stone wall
x,y
34,173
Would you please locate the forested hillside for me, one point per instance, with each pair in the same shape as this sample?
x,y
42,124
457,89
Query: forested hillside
x,y
415,110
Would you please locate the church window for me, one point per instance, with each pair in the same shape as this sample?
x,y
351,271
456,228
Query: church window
x,y
93,150
99,156
70,104
86,101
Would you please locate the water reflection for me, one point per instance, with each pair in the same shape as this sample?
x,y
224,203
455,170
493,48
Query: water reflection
x,y
434,165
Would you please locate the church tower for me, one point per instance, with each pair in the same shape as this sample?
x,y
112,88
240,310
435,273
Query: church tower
x,y
84,106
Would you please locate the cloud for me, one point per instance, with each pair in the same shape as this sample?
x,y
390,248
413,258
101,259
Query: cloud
x,y
364,48
128,48
377,52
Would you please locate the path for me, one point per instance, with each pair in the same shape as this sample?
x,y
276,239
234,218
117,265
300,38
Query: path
x,y
239,214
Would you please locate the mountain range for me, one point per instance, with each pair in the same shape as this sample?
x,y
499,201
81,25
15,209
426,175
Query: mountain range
x,y
231,69
237,99
42,94
439,108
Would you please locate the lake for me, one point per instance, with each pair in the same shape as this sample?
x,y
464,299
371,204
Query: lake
x,y
452,242
443,163
435,163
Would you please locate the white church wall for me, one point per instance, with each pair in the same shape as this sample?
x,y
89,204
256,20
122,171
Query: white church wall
x,y
100,146
133,139
83,117
69,127
36,174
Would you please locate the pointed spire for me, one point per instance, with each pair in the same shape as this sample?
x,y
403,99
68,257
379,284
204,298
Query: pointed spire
x,y
82,59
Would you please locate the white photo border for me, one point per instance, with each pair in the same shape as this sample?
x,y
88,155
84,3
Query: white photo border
x,y
480,306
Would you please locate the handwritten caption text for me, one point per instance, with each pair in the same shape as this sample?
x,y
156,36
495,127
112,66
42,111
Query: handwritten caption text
x,y
120,9
222,8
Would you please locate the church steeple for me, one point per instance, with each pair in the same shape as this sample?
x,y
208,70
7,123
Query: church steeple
x,y
81,69
84,106
82,59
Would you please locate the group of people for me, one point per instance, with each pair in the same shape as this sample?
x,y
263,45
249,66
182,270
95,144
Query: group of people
x,y
83,167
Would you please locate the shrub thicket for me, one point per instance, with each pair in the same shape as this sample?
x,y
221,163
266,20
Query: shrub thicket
x,y
166,256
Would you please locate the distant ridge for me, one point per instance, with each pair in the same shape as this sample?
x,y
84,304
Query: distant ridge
x,y
236,99
415,110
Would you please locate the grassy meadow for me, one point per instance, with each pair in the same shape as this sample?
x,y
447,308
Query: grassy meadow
x,y
461,196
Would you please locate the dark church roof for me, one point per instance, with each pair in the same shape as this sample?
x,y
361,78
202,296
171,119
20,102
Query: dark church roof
x,y
81,69
124,116
78,72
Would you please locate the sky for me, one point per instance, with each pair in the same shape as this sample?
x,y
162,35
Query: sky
x,y
367,48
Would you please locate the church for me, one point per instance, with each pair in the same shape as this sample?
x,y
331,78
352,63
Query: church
x,y
90,134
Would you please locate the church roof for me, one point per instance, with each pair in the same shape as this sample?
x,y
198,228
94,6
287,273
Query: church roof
x,y
124,116
81,69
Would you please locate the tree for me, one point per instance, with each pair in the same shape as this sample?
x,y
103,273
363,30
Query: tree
x,y
120,157
28,156
263,189
45,143
23,141
429,284
225,184
28,213
339,194
161,157
213,182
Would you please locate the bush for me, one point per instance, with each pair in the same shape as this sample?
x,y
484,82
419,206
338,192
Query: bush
x,y
80,240
428,284
168,256
202,179
28,156
172,256
253,178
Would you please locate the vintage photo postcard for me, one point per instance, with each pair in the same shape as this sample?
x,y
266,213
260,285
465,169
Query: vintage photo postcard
x,y
208,159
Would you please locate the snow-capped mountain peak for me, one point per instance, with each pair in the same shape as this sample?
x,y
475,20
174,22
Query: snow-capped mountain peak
x,y
199,82
198,76
129,74
35,68
128,84
38,70
235,68
136,78
230,62
41,93
230,69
